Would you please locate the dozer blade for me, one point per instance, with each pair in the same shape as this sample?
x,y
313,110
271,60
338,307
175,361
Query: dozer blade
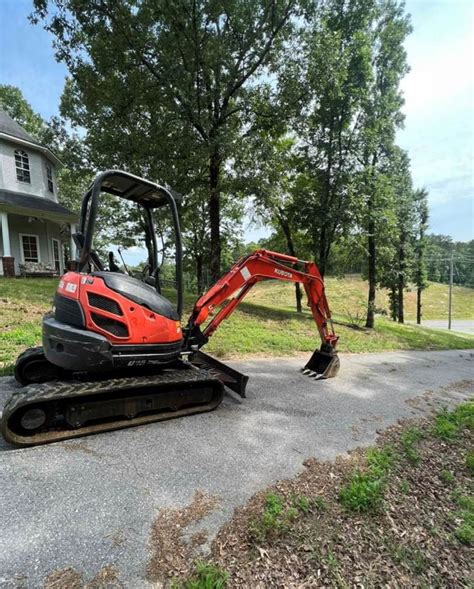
x,y
323,363
233,379
43,413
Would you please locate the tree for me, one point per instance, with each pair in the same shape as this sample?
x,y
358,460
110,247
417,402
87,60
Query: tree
x,y
335,82
395,270
191,68
380,119
13,103
420,272
268,172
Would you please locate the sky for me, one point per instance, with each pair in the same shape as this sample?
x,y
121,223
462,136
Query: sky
x,y
439,99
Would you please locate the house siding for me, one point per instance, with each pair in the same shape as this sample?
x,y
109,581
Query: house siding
x,y
37,161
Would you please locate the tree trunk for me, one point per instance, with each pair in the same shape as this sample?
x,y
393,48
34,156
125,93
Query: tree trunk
x,y
418,306
393,303
370,322
401,284
199,275
324,246
215,214
284,224
322,257
400,310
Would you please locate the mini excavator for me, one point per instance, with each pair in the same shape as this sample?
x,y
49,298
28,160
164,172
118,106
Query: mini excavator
x,y
115,353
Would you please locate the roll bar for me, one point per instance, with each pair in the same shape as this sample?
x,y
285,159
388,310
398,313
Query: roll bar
x,y
146,194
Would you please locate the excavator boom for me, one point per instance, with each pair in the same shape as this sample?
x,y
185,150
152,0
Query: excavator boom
x,y
231,289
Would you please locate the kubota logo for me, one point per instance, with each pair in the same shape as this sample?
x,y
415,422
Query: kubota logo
x,y
283,273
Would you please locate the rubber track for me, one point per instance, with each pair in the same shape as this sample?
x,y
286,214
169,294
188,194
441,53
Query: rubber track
x,y
60,390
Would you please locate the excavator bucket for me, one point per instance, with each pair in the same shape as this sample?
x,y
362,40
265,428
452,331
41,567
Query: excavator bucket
x,y
324,363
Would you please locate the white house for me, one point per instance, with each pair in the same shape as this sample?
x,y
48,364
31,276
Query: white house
x,y
34,226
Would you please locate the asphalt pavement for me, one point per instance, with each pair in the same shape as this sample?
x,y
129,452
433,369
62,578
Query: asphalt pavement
x,y
91,502
457,325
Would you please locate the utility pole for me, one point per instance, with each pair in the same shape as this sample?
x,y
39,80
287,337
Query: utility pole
x,y
451,272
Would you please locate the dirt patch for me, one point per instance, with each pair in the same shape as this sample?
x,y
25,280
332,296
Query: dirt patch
x,y
69,578
64,578
171,555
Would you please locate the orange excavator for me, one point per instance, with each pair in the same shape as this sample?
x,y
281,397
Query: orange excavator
x,y
115,353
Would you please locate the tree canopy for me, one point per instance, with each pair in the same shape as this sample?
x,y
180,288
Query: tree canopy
x,y
281,111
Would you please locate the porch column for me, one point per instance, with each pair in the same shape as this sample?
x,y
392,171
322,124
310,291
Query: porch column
x,y
7,260
6,236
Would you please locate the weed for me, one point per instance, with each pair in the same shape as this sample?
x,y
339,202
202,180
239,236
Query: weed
x,y
302,503
271,520
446,476
465,534
463,415
207,576
408,441
466,503
470,462
380,460
409,556
319,503
331,561
362,493
445,426
465,531
291,513
404,487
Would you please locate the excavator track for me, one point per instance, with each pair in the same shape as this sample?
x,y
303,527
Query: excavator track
x,y
60,410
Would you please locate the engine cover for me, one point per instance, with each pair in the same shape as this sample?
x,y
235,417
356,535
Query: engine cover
x,y
123,309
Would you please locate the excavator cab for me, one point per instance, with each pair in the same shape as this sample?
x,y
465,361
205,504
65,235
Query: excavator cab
x,y
148,196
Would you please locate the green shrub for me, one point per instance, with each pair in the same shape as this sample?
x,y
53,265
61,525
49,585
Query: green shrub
x,y
362,493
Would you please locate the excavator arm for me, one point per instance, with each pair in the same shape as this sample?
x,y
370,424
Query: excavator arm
x,y
231,289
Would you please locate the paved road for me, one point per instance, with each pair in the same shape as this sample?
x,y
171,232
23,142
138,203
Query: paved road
x,y
460,325
91,503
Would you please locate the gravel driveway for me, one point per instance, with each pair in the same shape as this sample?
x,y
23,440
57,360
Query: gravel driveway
x,y
91,503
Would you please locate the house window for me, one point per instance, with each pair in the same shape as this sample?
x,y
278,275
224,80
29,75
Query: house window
x,y
29,248
22,163
49,176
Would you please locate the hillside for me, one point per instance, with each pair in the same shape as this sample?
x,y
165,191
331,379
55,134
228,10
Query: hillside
x,y
265,324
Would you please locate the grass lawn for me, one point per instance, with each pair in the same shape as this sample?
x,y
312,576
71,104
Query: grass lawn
x,y
265,324
400,514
